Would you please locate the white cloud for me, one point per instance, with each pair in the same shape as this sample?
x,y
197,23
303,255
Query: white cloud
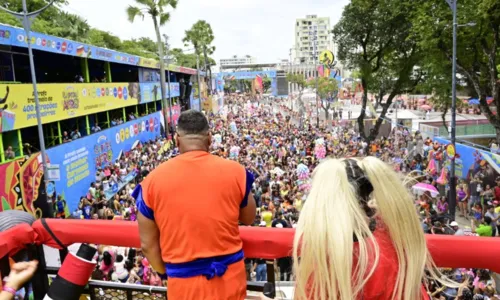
x,y
261,28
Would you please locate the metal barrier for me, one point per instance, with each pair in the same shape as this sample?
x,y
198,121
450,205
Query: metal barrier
x,y
106,290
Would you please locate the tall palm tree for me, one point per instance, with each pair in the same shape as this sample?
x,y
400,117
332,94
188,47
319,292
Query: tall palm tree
x,y
201,37
156,10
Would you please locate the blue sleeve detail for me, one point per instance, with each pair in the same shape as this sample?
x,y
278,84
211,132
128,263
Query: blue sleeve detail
x,y
142,207
248,188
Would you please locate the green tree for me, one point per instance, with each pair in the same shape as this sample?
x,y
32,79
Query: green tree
x,y
477,46
301,83
201,37
157,11
328,90
266,84
375,38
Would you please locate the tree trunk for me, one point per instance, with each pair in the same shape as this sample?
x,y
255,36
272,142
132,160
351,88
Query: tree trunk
x,y
162,78
443,117
361,118
385,107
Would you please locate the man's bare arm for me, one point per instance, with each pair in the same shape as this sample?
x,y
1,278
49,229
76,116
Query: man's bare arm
x,y
150,242
247,213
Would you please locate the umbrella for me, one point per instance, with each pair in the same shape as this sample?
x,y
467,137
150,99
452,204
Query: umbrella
x,y
425,187
473,101
426,107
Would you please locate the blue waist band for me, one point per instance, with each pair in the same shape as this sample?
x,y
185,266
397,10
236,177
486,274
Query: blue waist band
x,y
208,267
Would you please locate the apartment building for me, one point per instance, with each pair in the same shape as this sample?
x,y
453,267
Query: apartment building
x,y
235,60
308,31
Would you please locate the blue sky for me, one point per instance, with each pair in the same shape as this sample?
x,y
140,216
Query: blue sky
x,y
261,28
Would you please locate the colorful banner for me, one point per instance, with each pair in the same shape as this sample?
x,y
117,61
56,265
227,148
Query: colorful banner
x,y
78,160
62,101
152,92
246,75
12,36
20,185
472,161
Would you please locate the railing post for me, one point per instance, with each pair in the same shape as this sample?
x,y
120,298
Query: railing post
x,y
40,281
271,274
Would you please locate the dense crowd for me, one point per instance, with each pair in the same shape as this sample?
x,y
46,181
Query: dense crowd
x,y
268,140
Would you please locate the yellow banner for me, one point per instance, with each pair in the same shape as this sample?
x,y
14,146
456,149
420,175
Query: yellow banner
x,y
61,101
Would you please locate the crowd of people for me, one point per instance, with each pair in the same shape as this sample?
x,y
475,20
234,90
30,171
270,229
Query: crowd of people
x,y
270,142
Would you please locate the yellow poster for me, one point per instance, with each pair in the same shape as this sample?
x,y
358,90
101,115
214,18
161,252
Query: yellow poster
x,y
61,101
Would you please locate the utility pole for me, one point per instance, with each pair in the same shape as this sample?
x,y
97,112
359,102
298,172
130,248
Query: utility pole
x,y
167,55
26,18
199,81
209,85
453,180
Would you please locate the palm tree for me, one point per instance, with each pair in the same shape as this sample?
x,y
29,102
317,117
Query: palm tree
x,y
201,37
157,10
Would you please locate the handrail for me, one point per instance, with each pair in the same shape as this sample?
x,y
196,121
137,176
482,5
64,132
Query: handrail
x,y
267,243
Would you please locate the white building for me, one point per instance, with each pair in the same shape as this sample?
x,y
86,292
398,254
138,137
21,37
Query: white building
x,y
311,33
235,60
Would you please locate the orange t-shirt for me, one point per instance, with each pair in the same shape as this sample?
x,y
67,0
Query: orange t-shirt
x,y
196,199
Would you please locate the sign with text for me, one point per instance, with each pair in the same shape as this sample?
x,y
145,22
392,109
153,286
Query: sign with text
x,y
78,160
62,101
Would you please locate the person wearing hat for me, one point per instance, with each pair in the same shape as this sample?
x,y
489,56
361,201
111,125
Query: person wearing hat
x,y
457,229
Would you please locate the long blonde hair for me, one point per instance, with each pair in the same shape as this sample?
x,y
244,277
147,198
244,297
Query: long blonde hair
x,y
324,245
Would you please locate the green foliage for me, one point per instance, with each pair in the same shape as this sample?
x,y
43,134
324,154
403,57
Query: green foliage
x,y
266,82
477,46
55,21
186,59
327,87
375,38
201,37
297,79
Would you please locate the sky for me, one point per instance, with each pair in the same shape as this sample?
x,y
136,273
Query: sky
x,y
261,28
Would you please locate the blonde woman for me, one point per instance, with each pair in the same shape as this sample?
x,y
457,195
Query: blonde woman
x,y
358,236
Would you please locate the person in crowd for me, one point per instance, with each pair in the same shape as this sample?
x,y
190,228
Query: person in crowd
x,y
484,228
168,239
9,153
75,134
66,138
19,274
495,217
456,228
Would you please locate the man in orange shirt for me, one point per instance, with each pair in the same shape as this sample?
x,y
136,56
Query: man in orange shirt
x,y
189,209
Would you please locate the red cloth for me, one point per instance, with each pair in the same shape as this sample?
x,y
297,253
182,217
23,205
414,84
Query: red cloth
x,y
268,243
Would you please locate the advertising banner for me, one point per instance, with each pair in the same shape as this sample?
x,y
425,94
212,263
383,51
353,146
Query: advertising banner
x,y
15,37
79,159
149,92
62,101
246,75
473,161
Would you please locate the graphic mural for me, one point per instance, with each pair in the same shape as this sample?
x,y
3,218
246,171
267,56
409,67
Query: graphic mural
x,y
73,164
63,101
255,76
20,186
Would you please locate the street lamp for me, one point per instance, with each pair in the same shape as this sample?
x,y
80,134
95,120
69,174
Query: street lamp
x,y
26,18
453,186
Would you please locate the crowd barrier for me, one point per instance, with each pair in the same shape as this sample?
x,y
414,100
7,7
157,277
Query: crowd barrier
x,y
267,243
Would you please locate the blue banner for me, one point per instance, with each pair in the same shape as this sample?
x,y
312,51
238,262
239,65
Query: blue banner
x,y
150,91
246,75
78,160
13,36
473,161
